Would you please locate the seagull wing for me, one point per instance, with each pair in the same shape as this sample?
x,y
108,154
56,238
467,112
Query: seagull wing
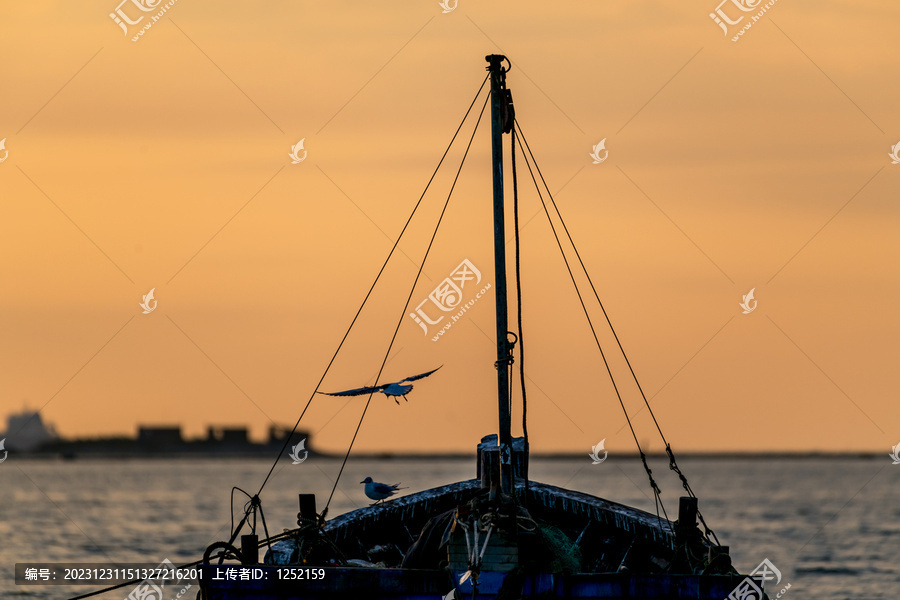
x,y
420,376
383,488
357,392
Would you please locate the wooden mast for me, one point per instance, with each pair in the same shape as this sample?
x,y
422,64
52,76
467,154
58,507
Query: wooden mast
x,y
501,122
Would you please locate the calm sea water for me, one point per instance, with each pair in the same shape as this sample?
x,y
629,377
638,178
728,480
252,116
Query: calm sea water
x,y
832,526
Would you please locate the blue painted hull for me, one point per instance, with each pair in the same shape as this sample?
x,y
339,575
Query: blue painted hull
x,y
419,584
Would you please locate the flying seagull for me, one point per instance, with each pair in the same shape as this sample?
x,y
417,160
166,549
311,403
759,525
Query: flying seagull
x,y
388,389
380,491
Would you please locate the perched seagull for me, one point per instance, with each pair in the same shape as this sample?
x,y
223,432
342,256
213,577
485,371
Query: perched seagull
x,y
388,389
380,491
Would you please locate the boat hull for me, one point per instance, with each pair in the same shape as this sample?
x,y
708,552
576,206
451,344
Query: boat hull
x,y
359,529
421,584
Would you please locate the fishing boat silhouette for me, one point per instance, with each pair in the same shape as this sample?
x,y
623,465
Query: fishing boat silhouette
x,y
499,535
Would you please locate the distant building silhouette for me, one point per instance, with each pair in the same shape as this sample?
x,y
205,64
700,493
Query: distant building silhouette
x,y
278,433
26,431
159,437
227,435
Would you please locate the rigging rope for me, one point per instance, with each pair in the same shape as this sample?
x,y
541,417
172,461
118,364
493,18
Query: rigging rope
x,y
287,440
656,491
519,311
247,512
408,298
673,465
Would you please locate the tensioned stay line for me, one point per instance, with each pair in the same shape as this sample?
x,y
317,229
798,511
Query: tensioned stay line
x,y
334,356
372,287
587,315
412,290
673,465
594,289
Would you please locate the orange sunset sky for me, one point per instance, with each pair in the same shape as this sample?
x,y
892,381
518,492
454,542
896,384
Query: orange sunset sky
x,y
163,163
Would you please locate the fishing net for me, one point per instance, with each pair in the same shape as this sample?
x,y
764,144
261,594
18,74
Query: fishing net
x,y
562,555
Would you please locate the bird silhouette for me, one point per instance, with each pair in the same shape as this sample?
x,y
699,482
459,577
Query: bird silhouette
x,y
391,390
380,491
